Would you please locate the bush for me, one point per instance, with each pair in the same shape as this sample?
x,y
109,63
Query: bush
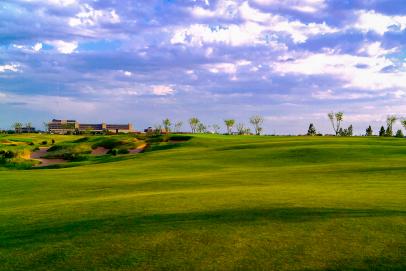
x,y
44,142
399,134
123,151
113,152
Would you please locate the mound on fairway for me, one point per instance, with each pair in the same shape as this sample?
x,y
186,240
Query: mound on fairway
x,y
214,203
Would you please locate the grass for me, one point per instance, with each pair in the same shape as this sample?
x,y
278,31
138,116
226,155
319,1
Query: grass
x,y
214,203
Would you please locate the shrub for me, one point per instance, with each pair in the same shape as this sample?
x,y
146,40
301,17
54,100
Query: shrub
x,y
44,142
399,134
123,151
113,152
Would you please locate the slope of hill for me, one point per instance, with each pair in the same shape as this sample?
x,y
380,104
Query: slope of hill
x,y
214,203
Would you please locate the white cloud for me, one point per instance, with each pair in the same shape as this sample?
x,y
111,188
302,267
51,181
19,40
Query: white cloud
x,y
64,47
127,73
257,28
369,20
229,68
9,67
308,6
363,72
37,47
162,90
89,16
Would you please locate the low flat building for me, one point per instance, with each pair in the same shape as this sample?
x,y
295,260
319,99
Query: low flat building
x,y
71,126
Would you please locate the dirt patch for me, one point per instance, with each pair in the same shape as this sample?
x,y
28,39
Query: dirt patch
x,y
99,151
138,149
37,155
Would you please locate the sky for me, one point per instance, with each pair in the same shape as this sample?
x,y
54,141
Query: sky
x,y
129,61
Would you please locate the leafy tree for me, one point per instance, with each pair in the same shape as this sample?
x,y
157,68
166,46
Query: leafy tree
x,y
369,131
350,130
390,120
336,119
167,125
257,122
229,125
346,132
201,128
193,122
312,130
399,134
46,126
382,131
216,128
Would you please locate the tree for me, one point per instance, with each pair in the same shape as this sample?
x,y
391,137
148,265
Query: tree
x,y
390,120
18,126
257,122
178,127
193,122
346,132
46,126
167,125
201,128
312,130
229,125
28,125
403,122
350,130
368,131
242,130
216,128
382,131
336,119
399,134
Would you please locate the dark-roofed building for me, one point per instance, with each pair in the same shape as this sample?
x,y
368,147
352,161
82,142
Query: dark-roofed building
x,y
70,126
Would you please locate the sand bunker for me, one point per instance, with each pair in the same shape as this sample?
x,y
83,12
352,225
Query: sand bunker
x,y
138,149
99,151
37,155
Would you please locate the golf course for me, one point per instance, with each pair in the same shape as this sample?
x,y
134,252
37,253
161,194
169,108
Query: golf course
x,y
206,202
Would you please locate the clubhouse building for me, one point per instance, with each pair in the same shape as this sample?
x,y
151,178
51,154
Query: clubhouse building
x,y
70,126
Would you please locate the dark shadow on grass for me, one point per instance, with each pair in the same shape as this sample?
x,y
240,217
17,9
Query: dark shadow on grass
x,y
23,235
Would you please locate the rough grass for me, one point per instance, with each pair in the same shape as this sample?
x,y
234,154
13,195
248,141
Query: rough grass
x,y
214,203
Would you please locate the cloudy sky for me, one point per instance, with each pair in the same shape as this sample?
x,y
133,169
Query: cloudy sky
x,y
136,61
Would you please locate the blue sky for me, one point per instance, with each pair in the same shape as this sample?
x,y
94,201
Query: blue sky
x,y
290,61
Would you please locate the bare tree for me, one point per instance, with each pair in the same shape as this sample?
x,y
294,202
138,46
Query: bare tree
x,y
390,120
336,119
229,125
242,130
403,122
216,128
18,126
193,122
167,125
257,122
46,126
178,127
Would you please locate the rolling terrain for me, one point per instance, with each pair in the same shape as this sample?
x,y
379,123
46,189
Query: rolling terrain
x,y
214,203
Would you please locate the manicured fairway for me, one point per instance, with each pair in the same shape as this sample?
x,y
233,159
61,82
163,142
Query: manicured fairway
x,y
214,203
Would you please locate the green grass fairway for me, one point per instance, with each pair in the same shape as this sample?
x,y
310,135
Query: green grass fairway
x,y
214,203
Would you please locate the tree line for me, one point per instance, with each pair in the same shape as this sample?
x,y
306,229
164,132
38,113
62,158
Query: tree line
x,y
230,125
336,120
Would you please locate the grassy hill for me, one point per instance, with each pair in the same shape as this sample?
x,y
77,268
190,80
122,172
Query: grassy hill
x,y
214,203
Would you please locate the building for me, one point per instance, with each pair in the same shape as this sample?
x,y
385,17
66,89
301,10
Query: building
x,y
71,126
24,129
